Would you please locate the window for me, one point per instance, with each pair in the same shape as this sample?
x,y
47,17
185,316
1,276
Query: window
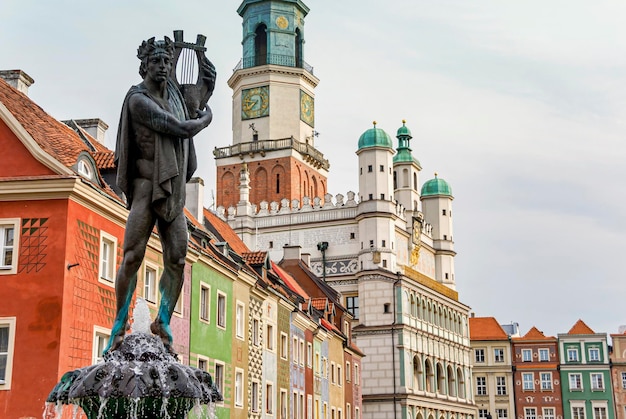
x,y
382,196
202,364
282,408
108,244
546,381
352,305
370,168
309,354
599,412
597,381
221,310
7,342
527,355
479,355
548,413
481,386
575,382
339,376
270,337
527,380
205,299
348,372
84,169
544,355
254,402
218,378
357,413
269,398
294,349
498,355
301,352
572,355
256,335
530,413
348,411
9,245
149,284
332,372
594,354
482,413
578,412
239,387
284,345
501,386
100,341
240,318
382,168
624,380
502,413
356,375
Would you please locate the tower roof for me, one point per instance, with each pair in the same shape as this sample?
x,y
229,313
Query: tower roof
x,y
404,154
375,137
436,186
245,3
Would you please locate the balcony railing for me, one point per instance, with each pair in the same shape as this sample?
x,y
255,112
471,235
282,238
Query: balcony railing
x,y
275,59
309,152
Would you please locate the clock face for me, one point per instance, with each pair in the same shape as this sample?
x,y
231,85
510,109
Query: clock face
x,y
307,110
255,102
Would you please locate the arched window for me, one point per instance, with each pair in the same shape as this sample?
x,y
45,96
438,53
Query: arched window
x,y
451,382
405,178
395,180
260,45
430,376
277,182
414,181
441,379
418,379
460,383
413,306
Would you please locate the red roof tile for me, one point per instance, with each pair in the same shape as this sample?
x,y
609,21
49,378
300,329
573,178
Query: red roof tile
x,y
290,281
227,233
255,258
104,159
319,303
486,328
535,334
54,137
580,328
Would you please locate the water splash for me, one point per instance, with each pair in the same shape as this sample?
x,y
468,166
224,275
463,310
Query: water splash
x,y
141,317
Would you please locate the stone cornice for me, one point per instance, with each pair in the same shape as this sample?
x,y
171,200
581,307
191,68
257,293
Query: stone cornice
x,y
268,69
72,188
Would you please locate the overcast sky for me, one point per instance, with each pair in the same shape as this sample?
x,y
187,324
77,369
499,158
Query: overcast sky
x,y
520,106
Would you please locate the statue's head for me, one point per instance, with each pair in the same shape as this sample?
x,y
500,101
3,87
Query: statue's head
x,y
151,47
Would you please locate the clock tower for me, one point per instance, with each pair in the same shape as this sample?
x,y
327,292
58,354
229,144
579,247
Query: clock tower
x,y
273,110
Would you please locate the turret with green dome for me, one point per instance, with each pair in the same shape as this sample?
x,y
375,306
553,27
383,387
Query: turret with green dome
x,y
435,187
404,154
375,137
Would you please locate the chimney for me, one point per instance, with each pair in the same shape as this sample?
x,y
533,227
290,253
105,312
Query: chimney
x,y
306,258
95,127
18,79
292,252
195,198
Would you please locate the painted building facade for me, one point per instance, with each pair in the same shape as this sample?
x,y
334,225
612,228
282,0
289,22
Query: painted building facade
x,y
585,374
536,375
618,373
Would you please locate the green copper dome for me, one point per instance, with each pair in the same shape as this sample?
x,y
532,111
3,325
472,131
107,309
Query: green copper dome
x,y
404,154
404,131
436,186
375,137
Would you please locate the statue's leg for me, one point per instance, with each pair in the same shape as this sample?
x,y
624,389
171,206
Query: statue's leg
x,y
138,229
174,242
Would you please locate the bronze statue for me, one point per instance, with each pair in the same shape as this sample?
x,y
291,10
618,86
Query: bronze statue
x,y
155,158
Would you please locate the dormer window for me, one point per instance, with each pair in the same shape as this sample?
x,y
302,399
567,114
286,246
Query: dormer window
x,y
84,169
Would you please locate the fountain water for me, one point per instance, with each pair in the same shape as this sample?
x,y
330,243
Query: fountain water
x,y
141,379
